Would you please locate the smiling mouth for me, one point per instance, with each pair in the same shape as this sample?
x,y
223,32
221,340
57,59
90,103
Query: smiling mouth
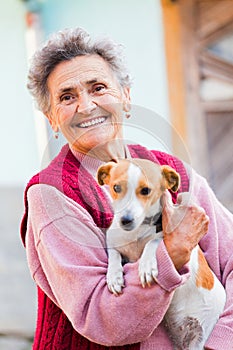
x,y
92,122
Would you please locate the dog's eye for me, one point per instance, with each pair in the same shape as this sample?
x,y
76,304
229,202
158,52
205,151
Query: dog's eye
x,y
145,191
117,188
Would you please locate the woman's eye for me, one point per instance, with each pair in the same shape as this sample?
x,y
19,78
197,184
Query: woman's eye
x,y
67,98
98,88
117,188
145,191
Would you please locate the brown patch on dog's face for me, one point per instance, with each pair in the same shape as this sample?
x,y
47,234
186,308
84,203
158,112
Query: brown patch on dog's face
x,y
149,187
116,176
118,183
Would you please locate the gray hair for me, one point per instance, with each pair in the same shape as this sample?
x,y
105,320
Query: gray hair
x,y
65,45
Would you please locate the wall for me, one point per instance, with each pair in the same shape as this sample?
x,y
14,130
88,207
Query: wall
x,y
19,160
18,148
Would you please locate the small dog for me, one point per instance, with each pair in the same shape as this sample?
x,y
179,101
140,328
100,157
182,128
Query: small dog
x,y
136,187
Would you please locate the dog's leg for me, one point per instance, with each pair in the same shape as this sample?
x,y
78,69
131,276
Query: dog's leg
x,y
115,279
148,269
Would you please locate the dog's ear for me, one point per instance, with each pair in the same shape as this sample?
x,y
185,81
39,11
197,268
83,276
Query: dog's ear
x,y
171,178
103,173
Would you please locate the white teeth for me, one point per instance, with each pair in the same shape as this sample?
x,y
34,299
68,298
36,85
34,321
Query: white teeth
x,y
92,122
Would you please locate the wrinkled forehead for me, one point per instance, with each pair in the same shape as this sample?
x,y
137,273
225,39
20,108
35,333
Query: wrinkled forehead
x,y
81,70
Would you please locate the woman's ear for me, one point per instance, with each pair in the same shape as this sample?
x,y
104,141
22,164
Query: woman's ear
x,y
52,121
126,99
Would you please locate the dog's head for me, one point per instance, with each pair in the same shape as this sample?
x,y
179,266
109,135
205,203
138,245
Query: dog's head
x,y
136,187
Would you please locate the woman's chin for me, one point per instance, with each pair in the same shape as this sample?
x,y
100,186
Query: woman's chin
x,y
95,136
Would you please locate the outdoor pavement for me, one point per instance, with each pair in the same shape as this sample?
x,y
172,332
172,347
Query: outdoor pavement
x,y
17,290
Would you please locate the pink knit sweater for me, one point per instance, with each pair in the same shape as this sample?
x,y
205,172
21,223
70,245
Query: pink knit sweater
x,y
67,259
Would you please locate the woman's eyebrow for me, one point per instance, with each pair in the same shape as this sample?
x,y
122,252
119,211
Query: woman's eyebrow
x,y
65,89
70,88
92,81
73,87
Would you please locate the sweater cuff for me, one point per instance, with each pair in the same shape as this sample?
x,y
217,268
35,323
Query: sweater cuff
x,y
168,277
220,338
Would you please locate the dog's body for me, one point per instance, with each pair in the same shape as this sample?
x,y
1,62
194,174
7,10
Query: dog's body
x,y
136,187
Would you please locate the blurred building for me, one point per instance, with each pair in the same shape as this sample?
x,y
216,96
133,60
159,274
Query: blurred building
x,y
180,56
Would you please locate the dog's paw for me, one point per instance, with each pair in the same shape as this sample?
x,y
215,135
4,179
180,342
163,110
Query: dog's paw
x,y
148,268
115,281
148,271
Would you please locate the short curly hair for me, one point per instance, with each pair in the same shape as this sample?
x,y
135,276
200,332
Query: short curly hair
x,y
65,45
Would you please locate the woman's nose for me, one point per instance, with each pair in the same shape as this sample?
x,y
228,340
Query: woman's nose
x,y
86,103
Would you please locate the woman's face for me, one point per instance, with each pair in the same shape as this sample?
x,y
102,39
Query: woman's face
x,y
87,102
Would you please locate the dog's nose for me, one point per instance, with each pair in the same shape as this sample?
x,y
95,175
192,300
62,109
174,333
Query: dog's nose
x,y
127,221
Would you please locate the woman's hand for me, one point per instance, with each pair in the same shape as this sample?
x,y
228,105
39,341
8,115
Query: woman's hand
x,y
183,227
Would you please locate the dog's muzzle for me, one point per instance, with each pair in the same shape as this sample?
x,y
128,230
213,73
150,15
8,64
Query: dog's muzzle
x,y
127,222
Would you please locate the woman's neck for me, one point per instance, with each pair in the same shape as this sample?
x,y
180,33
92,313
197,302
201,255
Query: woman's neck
x,y
112,150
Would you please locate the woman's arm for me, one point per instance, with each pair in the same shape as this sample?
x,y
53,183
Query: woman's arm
x,y
68,260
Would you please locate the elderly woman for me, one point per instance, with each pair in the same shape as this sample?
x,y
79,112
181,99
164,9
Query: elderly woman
x,y
83,88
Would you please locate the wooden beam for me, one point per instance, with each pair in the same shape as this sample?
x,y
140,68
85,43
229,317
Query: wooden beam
x,y
215,67
217,106
175,73
197,140
179,18
217,35
212,15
